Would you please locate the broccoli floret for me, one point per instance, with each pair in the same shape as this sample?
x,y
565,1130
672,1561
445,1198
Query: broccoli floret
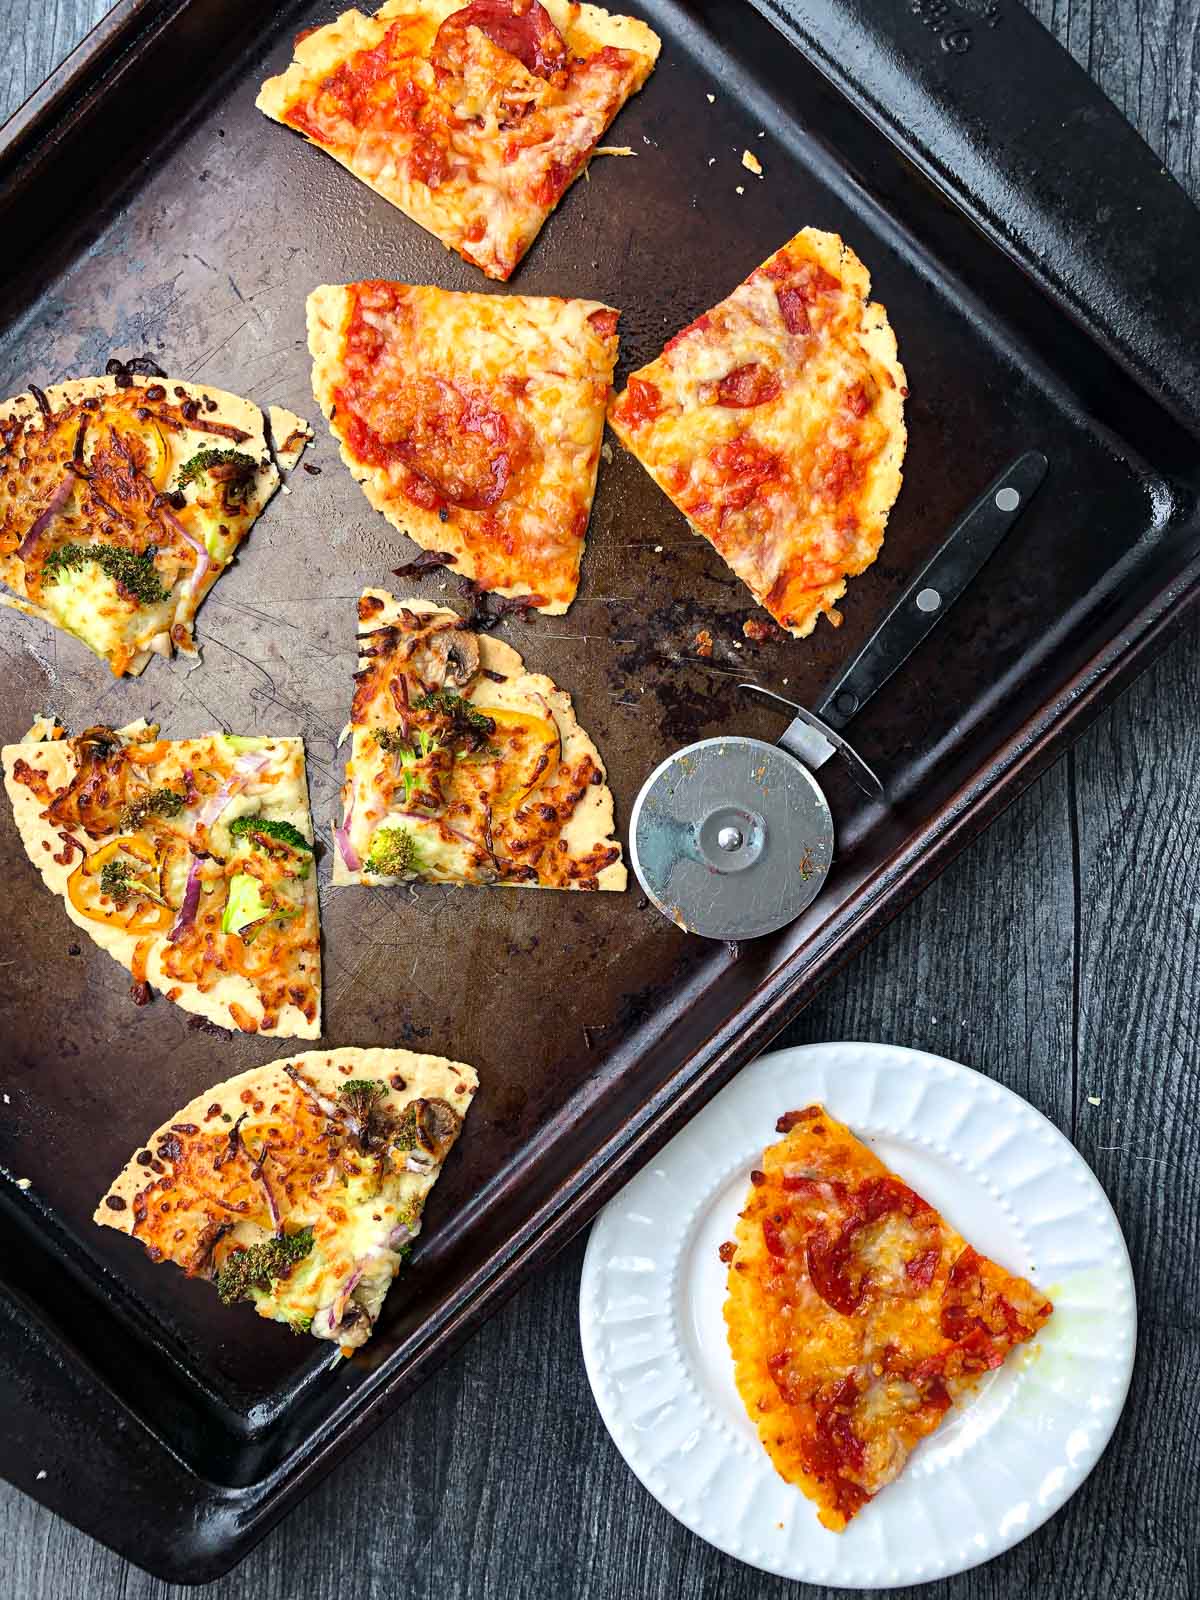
x,y
359,1096
232,470
393,854
281,832
158,803
116,881
359,1099
134,575
257,1266
468,724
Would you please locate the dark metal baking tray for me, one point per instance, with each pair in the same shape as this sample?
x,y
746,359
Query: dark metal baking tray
x,y
1040,270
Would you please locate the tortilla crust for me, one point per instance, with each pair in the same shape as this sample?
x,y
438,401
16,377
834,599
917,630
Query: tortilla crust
x,y
43,845
291,436
592,822
232,409
424,1077
329,309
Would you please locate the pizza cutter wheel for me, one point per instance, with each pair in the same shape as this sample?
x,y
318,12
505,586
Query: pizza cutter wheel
x,y
732,837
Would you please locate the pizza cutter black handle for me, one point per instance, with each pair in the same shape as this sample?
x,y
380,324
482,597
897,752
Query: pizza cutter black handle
x,y
935,588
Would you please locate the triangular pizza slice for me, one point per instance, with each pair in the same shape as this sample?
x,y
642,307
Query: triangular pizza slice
x,y
775,423
472,421
857,1315
299,1185
464,767
189,860
473,119
122,500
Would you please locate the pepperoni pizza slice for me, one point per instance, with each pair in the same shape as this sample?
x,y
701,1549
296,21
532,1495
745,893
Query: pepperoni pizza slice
x,y
473,119
472,421
856,1315
775,422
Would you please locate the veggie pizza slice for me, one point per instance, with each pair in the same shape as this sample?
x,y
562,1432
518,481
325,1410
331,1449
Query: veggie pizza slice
x,y
857,1316
472,421
299,1185
775,423
124,498
189,861
472,119
464,767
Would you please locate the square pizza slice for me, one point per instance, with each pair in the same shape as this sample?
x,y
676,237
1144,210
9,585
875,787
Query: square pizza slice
x,y
473,119
775,422
472,421
857,1316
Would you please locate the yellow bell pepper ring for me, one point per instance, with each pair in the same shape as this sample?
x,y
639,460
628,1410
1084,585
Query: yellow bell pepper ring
x,y
148,914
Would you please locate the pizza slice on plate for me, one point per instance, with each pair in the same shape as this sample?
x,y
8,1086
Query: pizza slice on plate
x,y
464,767
472,421
473,119
300,1185
775,423
189,860
857,1316
122,500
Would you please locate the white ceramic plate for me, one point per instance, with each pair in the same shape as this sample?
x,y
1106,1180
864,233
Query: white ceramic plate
x,y
654,1335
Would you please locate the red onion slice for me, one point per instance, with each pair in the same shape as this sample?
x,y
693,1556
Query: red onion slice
x,y
203,560
191,901
245,769
341,837
53,509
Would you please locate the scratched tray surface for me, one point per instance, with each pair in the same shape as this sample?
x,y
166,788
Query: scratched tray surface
x,y
577,1010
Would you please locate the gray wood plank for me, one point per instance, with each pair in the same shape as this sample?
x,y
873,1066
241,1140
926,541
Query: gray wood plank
x,y
1058,954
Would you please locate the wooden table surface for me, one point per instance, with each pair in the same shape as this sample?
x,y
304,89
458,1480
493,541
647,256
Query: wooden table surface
x,y
1059,954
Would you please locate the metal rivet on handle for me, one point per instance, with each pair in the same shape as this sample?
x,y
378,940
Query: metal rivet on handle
x,y
729,838
1007,499
928,600
846,702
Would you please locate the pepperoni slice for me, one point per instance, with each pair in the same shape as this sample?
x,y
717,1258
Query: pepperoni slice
x,y
522,27
743,467
920,1270
458,448
751,385
772,1233
641,402
829,1270
604,322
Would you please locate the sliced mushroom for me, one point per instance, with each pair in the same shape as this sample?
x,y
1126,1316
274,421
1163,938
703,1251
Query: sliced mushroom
x,y
445,657
427,1129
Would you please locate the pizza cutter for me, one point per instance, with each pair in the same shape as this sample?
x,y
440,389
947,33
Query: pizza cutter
x,y
732,837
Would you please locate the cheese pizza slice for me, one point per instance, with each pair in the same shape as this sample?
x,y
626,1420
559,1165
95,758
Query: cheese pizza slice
x,y
775,423
472,119
190,861
122,500
464,767
856,1315
300,1185
473,422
